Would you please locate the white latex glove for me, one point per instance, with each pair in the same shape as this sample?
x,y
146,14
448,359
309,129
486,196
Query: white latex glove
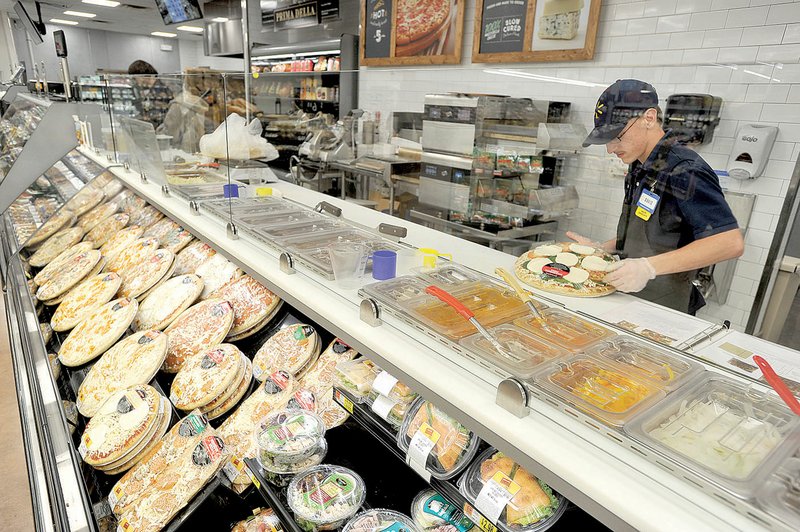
x,y
582,240
631,275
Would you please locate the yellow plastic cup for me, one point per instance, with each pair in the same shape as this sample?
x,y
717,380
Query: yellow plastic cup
x,y
429,256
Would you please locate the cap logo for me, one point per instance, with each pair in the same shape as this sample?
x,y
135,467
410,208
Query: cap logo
x,y
599,110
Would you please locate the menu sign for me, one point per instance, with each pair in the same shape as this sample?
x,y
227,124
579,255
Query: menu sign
x,y
503,26
378,28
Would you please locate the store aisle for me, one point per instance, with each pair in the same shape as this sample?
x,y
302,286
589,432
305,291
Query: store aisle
x,y
16,512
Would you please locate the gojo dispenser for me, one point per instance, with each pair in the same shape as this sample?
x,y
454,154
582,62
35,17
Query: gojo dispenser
x,y
751,151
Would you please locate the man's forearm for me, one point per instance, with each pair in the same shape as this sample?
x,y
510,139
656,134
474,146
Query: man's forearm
x,y
700,253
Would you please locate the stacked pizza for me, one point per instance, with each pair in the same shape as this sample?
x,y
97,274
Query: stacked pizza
x,y
566,268
167,301
293,348
171,235
319,381
199,327
254,306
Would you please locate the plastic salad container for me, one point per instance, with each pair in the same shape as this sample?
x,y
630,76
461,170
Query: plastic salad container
x,y
566,330
671,371
387,385
601,388
780,495
527,351
325,497
392,411
434,513
535,507
731,434
281,476
288,437
378,520
356,377
455,446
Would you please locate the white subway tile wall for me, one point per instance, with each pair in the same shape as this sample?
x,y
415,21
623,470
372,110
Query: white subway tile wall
x,y
674,44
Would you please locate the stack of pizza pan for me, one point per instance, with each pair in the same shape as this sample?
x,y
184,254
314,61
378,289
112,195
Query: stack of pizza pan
x,y
70,274
197,328
125,428
214,380
167,301
254,306
294,348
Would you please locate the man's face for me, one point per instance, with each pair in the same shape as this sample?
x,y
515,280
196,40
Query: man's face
x,y
631,142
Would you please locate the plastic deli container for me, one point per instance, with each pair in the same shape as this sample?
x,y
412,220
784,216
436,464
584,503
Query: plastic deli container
x,y
273,219
398,290
280,234
669,370
455,444
566,330
325,497
780,495
449,276
433,513
287,438
392,411
527,351
379,520
535,506
732,434
387,385
281,476
356,377
601,388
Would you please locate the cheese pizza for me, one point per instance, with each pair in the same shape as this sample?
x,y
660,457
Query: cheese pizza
x,y
418,19
199,327
97,332
192,256
252,302
101,233
566,268
60,220
167,301
85,299
55,245
71,273
54,266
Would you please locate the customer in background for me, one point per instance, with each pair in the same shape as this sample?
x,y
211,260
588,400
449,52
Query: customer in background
x,y
185,120
152,97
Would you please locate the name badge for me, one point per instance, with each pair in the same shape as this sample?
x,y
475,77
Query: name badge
x,y
647,204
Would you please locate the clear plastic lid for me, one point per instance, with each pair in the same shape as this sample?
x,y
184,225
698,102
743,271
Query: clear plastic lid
x,y
663,367
326,496
397,290
526,351
387,385
381,520
733,434
600,388
455,445
273,219
390,410
566,330
780,495
534,505
491,303
288,436
449,276
323,240
281,473
434,513
280,234
356,377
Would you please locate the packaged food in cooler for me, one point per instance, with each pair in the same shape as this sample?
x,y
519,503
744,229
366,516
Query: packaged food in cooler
x,y
379,520
356,377
526,352
390,410
434,513
287,437
283,475
564,329
454,447
387,385
263,520
325,497
294,348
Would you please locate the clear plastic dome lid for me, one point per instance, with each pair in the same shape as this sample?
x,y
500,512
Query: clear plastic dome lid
x,y
381,520
326,494
289,431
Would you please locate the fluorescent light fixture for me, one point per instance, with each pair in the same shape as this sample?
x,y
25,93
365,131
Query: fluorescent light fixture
x,y
163,34
191,29
80,14
220,19
62,21
538,77
104,3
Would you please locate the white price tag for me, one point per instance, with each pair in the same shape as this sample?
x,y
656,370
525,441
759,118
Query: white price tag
x,y
420,448
495,495
113,497
382,406
384,383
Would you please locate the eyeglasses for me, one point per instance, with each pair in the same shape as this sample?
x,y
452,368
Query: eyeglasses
x,y
618,138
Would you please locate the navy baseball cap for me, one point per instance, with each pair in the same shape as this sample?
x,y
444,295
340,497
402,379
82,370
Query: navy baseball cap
x,y
619,103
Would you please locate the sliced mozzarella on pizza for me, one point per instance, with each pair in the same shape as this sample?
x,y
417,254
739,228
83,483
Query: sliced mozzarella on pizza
x,y
548,250
536,265
595,264
577,276
567,259
580,249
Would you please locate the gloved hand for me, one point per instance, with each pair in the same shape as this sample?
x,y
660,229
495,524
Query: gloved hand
x,y
580,239
631,275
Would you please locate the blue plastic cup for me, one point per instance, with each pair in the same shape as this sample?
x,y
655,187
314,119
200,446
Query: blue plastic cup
x,y
384,264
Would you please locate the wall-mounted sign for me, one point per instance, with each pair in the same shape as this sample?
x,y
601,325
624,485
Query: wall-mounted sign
x,y
298,16
378,39
328,11
503,27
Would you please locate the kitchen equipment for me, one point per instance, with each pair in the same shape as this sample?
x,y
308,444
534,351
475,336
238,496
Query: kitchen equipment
x,y
523,295
692,117
348,261
777,384
384,264
751,151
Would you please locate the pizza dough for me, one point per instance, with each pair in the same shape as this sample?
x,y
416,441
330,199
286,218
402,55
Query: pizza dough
x,y
568,269
55,245
110,226
192,256
146,274
131,361
199,327
97,332
85,299
54,266
167,301
70,274
252,303
205,376
294,348
216,272
60,220
121,241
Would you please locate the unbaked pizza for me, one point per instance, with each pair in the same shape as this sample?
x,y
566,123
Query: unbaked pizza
x,y
567,268
54,266
199,327
55,245
294,348
95,217
167,301
99,331
62,219
208,375
85,299
121,241
192,256
104,231
252,303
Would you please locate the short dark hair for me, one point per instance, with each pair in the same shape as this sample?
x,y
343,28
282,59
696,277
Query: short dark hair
x,y
141,67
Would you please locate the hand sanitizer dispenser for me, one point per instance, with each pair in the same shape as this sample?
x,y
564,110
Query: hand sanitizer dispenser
x,y
751,151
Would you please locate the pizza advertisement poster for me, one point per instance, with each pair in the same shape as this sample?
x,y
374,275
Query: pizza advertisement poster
x,y
411,32
511,31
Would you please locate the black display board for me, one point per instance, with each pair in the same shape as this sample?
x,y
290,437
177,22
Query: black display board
x,y
503,26
378,42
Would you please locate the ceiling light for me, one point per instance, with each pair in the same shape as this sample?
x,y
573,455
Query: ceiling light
x,y
163,34
80,14
104,3
62,21
192,29
220,19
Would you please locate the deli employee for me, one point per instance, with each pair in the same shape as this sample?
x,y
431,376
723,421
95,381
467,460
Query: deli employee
x,y
674,219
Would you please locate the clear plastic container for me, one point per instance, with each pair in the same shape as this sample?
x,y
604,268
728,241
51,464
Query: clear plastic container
x,y
433,513
491,303
397,290
390,410
600,388
527,351
288,437
449,276
282,476
281,234
356,377
566,330
272,219
734,435
535,507
780,495
456,444
325,497
379,520
669,370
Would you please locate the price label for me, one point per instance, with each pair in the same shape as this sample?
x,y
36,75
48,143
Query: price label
x,y
382,406
495,495
113,497
384,383
476,517
420,448
251,476
343,400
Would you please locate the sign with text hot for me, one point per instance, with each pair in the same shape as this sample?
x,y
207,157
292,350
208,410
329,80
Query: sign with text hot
x,y
379,29
298,15
503,26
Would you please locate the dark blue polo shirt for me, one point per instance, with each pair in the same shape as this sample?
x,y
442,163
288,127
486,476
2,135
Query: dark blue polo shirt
x,y
692,205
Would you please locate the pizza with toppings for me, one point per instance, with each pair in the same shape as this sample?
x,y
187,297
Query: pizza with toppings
x,y
566,268
419,21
